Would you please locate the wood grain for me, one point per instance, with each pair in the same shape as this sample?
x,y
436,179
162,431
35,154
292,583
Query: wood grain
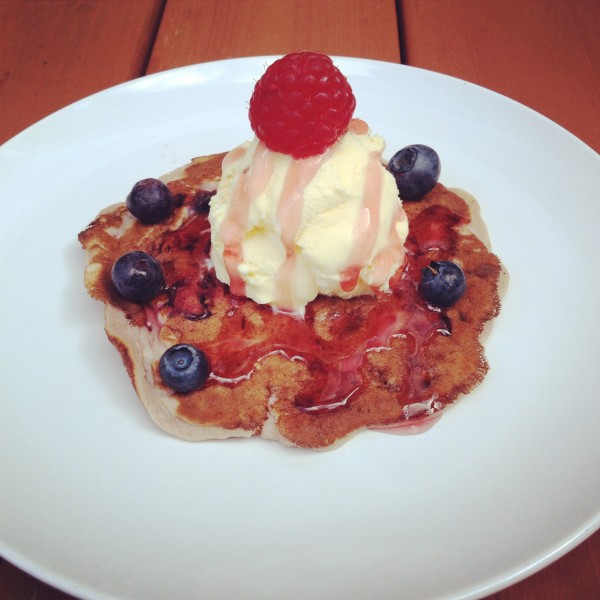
x,y
542,53
193,32
54,53
576,576
16,584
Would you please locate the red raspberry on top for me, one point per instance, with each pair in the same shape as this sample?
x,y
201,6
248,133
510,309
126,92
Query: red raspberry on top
x,y
301,105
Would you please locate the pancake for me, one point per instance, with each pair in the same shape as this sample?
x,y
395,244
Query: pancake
x,y
382,361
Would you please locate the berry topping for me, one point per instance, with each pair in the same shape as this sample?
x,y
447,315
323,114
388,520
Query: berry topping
x,y
183,368
416,170
150,201
138,276
442,283
301,105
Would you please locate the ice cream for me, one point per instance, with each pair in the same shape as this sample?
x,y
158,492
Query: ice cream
x,y
285,230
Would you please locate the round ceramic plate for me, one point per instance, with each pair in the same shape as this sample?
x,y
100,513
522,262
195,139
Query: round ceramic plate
x,y
97,501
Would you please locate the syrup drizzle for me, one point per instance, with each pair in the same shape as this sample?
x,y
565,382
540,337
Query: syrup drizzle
x,y
289,219
337,367
367,225
252,182
250,185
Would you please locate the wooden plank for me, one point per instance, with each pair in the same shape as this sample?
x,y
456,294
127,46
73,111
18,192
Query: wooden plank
x,y
52,53
573,577
546,55
15,583
55,52
542,53
193,32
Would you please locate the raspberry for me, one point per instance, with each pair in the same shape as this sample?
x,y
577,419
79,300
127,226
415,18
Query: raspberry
x,y
301,105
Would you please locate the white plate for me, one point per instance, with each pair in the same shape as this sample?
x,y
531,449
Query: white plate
x,y
97,501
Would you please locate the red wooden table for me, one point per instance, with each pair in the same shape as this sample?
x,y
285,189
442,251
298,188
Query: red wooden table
x,y
543,53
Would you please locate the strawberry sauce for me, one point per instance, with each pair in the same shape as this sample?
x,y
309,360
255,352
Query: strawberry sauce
x,y
336,361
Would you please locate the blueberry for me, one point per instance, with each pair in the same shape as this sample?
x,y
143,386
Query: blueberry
x,y
442,283
183,368
150,200
416,170
138,276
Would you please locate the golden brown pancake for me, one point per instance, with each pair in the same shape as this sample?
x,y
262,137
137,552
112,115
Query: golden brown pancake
x,y
376,361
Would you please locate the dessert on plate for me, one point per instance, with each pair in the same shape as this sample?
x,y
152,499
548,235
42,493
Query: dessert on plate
x,y
298,287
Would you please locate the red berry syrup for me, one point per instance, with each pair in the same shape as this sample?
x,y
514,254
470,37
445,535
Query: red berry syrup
x,y
337,367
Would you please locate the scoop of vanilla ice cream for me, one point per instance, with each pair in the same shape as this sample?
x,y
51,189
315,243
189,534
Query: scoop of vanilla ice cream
x,y
286,230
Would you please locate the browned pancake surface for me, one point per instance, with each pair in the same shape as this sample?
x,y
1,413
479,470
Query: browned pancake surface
x,y
272,368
